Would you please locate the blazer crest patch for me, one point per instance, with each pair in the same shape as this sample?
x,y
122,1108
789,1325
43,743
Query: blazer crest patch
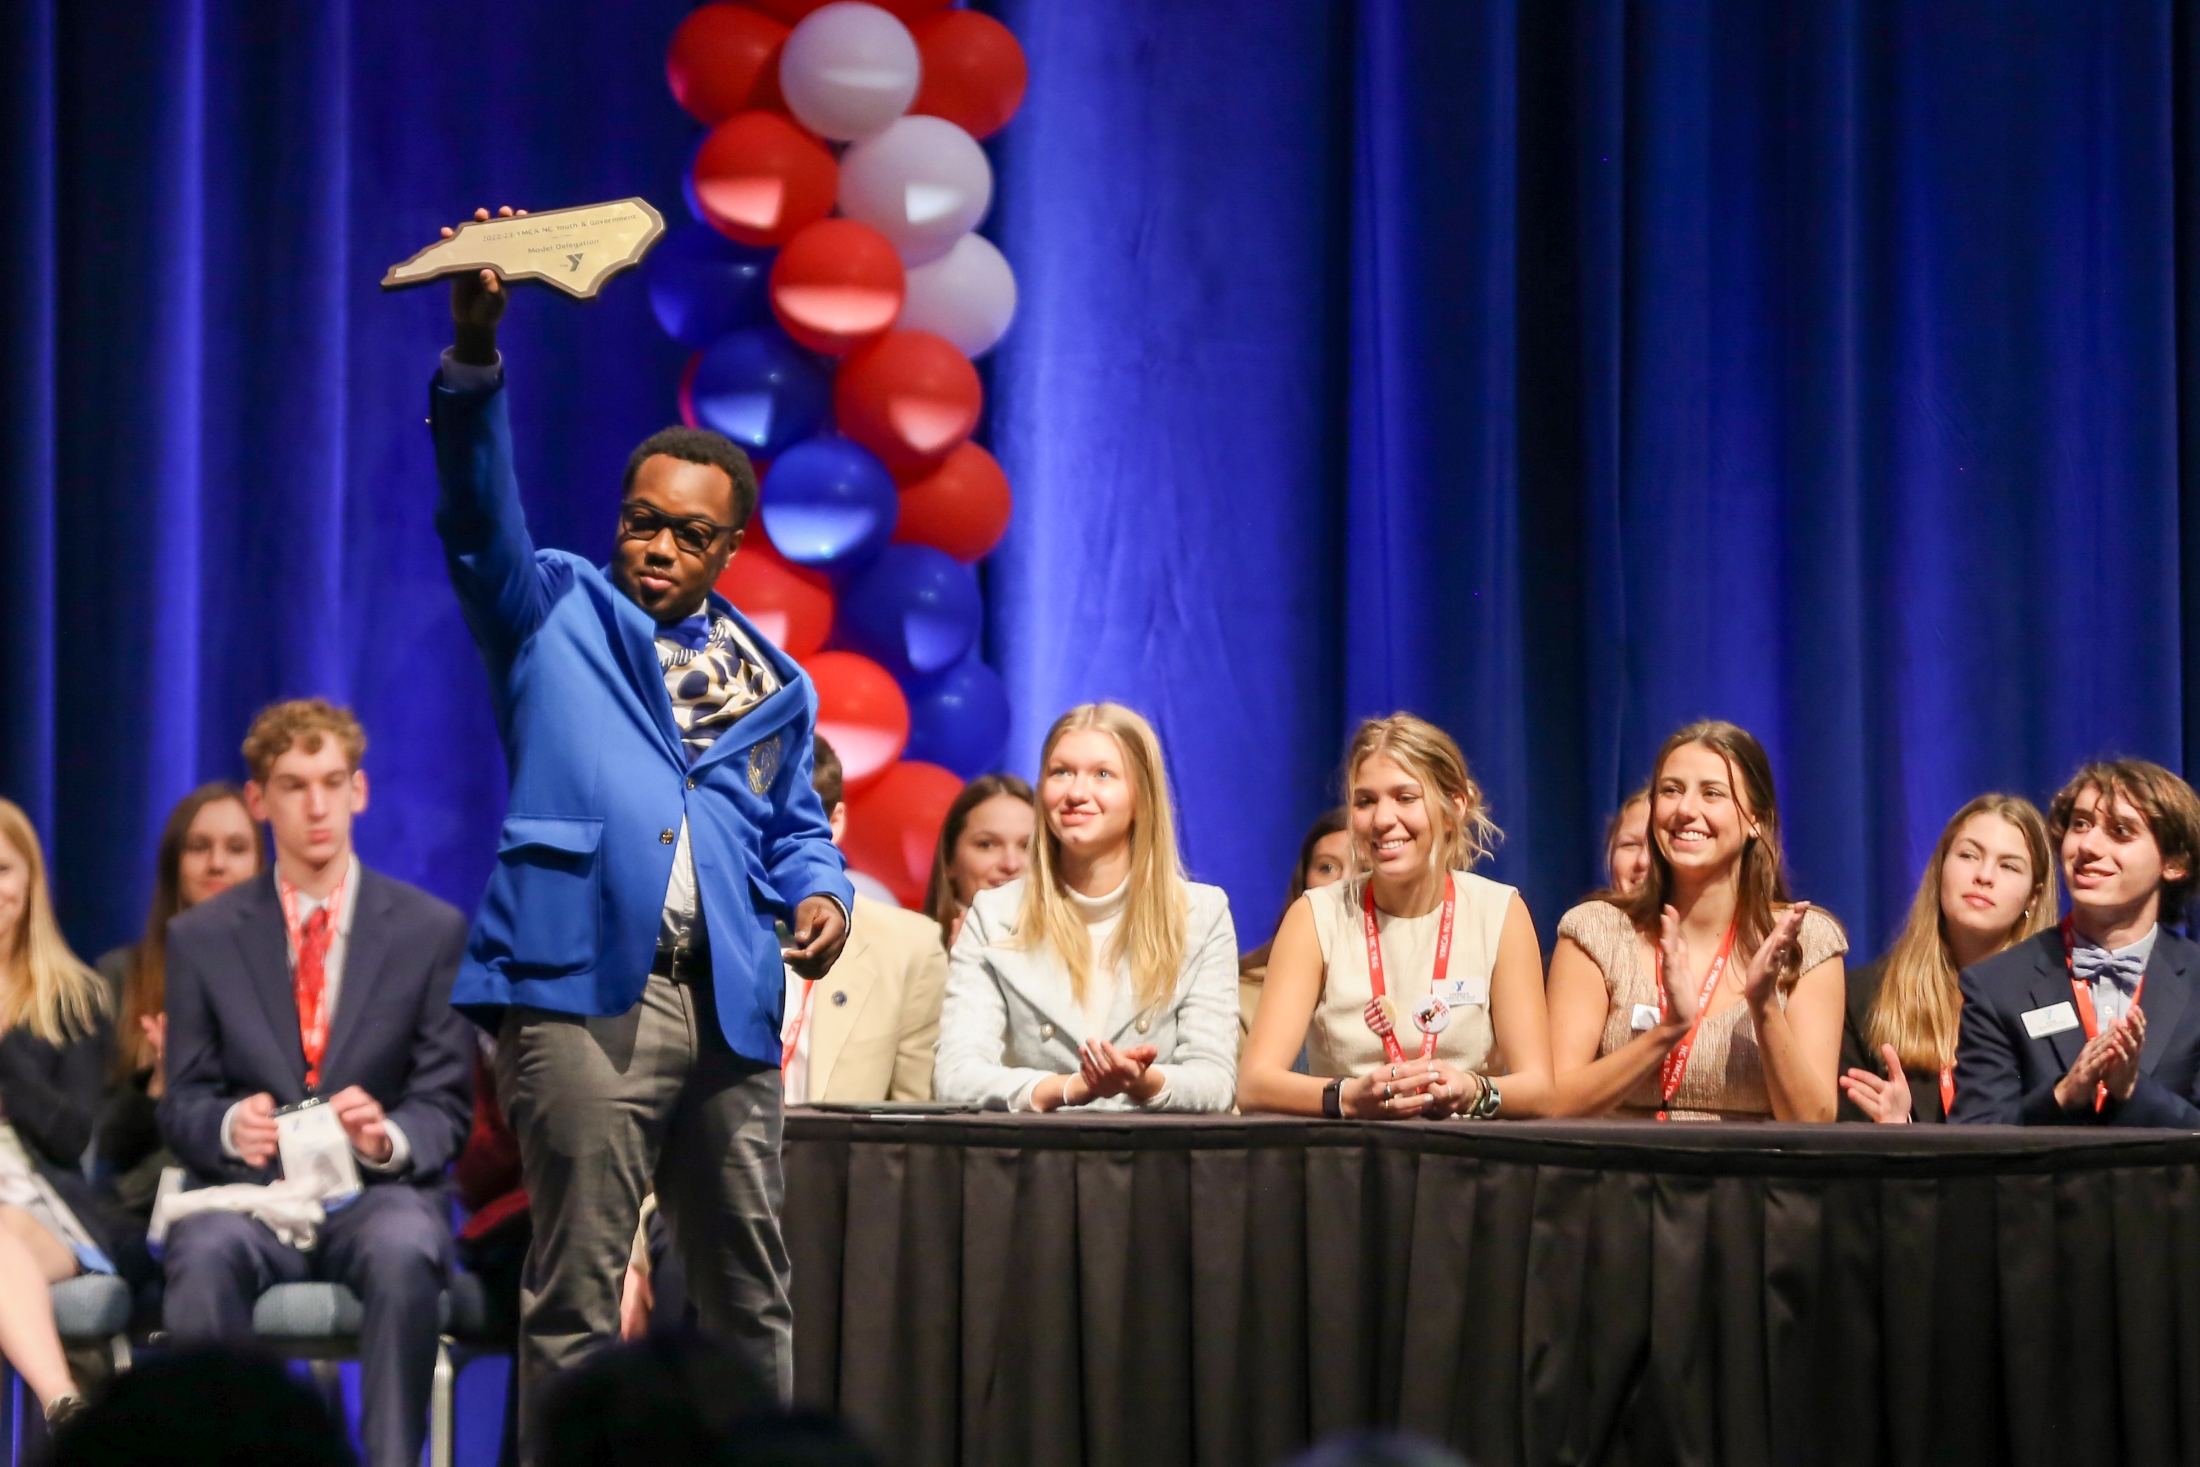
x,y
764,764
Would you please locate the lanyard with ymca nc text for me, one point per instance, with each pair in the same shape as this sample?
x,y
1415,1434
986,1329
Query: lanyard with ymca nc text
x,y
1676,1059
1436,1014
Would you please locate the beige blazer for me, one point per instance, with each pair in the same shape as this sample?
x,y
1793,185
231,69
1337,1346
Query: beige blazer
x,y
1010,1018
875,1018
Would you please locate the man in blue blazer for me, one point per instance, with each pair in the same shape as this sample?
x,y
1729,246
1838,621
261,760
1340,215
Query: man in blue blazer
x,y
2095,1024
661,824
328,979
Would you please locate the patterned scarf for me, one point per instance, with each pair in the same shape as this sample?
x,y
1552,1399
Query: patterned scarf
x,y
712,684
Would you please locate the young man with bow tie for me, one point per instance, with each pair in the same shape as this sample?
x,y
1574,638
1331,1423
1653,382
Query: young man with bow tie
x,y
662,823
2093,1023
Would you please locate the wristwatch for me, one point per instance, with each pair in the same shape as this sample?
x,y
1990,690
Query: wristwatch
x,y
1333,1099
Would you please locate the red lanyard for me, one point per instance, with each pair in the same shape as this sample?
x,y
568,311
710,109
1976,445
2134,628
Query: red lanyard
x,y
1676,1059
2084,997
801,1017
1436,979
1947,1090
313,1024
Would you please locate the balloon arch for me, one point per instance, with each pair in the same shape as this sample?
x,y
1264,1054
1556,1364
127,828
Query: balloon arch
x,y
834,295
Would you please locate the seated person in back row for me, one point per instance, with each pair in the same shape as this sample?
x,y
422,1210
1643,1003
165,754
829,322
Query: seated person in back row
x,y
319,978
2093,1023
866,1031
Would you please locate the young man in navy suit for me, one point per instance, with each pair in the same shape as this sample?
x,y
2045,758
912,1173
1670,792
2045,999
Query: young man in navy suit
x,y
2094,1023
320,978
662,824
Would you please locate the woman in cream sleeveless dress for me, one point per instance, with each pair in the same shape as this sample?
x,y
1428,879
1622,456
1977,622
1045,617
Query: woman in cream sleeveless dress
x,y
1418,823
1339,1042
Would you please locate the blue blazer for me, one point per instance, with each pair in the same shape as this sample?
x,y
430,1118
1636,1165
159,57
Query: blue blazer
x,y
2006,1077
233,1023
600,779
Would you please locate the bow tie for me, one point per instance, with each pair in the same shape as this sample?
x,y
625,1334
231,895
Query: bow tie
x,y
2095,963
693,634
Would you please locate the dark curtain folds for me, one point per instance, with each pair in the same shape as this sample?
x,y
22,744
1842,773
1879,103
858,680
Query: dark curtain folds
x,y
218,486
1222,1291
1812,366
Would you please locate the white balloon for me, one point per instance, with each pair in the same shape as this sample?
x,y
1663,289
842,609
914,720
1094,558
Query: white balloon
x,y
849,69
922,182
967,295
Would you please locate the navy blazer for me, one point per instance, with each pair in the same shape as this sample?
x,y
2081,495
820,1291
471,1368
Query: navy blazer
x,y
601,779
2006,1077
233,1023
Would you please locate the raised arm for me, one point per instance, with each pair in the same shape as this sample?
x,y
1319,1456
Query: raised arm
x,y
491,557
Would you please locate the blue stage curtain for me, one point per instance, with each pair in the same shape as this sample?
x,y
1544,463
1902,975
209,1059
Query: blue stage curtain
x,y
218,486
1561,370
1568,370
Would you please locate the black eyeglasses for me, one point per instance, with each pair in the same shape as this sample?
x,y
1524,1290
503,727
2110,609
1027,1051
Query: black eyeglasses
x,y
695,535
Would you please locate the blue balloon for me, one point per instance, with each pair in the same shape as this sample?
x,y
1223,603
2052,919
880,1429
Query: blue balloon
x,y
959,720
693,199
829,504
915,612
761,390
702,284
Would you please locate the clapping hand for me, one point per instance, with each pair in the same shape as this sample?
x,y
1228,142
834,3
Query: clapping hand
x,y
1673,970
1886,1101
2130,1039
1762,978
1107,1070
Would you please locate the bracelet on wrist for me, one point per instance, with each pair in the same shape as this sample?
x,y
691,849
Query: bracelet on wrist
x,y
1333,1100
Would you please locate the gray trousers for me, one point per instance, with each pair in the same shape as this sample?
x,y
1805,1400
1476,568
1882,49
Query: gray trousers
x,y
605,1109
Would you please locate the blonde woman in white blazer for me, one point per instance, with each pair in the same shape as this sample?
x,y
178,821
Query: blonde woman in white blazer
x,y
1103,980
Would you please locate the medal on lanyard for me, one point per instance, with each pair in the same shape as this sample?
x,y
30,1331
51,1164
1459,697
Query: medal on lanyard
x,y
1676,1059
2083,996
1382,1012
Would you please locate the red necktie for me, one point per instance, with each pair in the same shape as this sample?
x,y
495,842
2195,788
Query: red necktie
x,y
311,979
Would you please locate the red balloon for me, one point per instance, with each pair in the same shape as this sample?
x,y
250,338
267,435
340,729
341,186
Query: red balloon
x,y
791,606
894,825
725,59
974,71
861,712
910,398
791,11
961,507
760,178
836,285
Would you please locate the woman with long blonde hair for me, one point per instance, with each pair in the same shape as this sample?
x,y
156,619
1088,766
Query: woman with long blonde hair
x,y
1416,985
1706,993
1989,886
54,1036
1103,978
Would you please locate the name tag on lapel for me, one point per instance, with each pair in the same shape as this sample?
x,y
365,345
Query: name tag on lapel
x,y
2054,1019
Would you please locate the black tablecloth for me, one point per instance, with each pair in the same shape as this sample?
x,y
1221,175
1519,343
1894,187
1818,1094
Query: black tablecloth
x,y
1156,1290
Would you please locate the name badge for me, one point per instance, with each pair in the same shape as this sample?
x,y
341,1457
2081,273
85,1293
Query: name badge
x,y
2053,1019
315,1149
1646,1018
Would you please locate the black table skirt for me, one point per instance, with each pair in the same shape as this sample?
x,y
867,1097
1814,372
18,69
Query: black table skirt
x,y
1159,1290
